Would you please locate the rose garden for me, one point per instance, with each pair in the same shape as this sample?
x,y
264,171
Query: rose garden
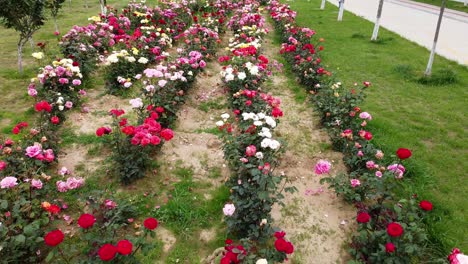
x,y
201,131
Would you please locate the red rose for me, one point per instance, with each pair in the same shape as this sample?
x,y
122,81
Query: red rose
x,y
280,234
150,223
16,130
228,241
86,221
107,252
363,217
100,131
389,247
128,130
124,247
53,238
394,229
425,205
167,134
403,153
55,120
368,135
53,209
284,246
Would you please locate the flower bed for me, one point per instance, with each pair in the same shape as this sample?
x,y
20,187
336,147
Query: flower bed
x,y
250,146
388,230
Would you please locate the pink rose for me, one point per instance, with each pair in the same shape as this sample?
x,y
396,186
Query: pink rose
x,y
36,184
355,183
76,82
49,155
378,174
370,164
229,209
8,182
61,186
397,170
34,150
3,165
322,167
365,115
110,204
250,151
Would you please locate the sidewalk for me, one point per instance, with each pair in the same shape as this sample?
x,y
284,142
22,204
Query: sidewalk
x,y
417,22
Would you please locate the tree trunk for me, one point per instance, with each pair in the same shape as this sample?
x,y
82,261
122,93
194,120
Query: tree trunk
x,y
20,56
322,6
377,21
31,42
55,24
103,7
340,13
436,37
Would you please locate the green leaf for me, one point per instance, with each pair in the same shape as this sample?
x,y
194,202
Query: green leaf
x,y
20,239
50,256
3,204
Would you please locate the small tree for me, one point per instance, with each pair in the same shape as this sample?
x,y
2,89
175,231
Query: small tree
x,y
436,37
340,12
103,4
377,21
322,6
54,6
24,16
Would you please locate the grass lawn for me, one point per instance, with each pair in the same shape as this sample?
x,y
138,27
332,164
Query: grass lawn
x,y
450,4
428,118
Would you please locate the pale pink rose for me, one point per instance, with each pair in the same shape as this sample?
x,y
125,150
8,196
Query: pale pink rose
x,y
379,155
68,104
61,186
82,92
229,209
360,154
162,83
8,182
365,115
355,183
397,170
322,167
34,150
64,171
378,174
136,103
76,82
32,92
36,184
250,151
74,183
244,160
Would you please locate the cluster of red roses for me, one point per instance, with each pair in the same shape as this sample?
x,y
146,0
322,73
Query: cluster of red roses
x,y
233,254
107,251
282,245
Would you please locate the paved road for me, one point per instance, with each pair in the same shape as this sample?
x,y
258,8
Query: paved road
x,y
417,22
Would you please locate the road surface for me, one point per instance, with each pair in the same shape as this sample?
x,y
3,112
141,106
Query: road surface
x,y
417,22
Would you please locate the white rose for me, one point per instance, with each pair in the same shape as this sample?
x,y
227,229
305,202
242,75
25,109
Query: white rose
x,y
220,123
241,75
261,261
259,155
225,116
130,59
143,60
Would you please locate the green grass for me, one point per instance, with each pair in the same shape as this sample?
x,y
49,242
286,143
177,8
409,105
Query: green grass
x,y
425,115
450,4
